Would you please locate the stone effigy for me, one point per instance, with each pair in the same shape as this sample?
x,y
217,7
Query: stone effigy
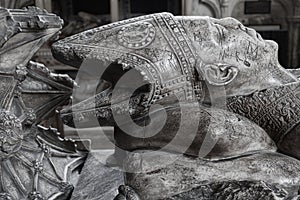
x,y
228,109
35,162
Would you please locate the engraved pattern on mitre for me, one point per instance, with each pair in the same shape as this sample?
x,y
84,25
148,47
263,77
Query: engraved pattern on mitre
x,y
156,45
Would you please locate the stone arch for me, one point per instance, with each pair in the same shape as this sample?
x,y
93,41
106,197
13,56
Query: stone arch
x,y
287,5
229,6
215,6
203,7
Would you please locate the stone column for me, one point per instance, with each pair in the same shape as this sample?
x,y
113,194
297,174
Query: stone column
x,y
225,11
294,27
183,7
7,3
13,3
114,10
44,4
294,39
124,9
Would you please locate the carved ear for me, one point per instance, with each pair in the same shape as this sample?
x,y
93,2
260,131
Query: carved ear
x,y
219,74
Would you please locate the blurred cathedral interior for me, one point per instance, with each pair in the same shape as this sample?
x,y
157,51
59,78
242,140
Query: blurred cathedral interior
x,y
277,20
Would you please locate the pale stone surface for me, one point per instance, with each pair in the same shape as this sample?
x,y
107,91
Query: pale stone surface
x,y
98,181
236,190
220,59
189,66
161,175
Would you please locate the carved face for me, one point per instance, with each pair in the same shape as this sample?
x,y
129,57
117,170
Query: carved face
x,y
235,56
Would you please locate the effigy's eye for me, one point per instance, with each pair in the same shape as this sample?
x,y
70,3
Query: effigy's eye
x,y
246,63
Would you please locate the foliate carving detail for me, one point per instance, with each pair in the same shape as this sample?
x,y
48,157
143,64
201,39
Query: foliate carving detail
x,y
35,195
38,166
5,196
126,192
21,73
38,157
11,134
65,187
30,117
137,35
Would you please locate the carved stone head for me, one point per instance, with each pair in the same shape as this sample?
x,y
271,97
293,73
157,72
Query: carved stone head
x,y
173,56
181,59
234,56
